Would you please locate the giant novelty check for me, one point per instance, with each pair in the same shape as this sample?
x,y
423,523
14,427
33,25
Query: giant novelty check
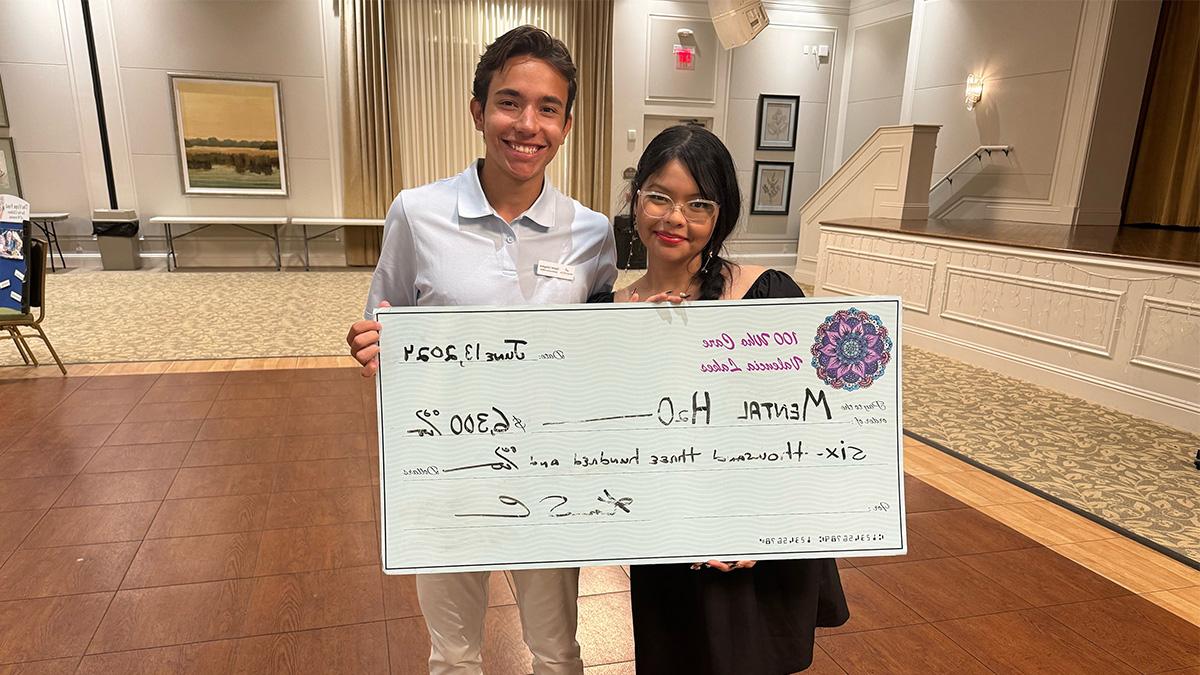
x,y
635,433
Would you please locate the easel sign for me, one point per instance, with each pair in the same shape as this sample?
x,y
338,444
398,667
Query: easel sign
x,y
14,255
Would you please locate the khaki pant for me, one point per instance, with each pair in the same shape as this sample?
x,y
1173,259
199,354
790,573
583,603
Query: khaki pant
x,y
454,605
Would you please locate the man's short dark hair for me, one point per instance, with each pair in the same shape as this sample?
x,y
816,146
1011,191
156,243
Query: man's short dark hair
x,y
524,41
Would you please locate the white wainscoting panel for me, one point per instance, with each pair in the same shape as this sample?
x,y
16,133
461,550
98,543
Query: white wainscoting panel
x,y
1168,337
851,272
1120,332
1066,315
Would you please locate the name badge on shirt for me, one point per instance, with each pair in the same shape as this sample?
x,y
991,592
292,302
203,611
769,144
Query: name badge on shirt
x,y
556,270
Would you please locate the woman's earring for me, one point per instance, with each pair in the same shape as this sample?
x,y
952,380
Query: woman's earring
x,y
629,258
704,267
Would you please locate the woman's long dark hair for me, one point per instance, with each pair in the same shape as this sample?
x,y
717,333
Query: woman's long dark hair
x,y
711,166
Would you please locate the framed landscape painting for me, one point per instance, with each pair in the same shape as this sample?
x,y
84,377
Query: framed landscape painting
x,y
230,135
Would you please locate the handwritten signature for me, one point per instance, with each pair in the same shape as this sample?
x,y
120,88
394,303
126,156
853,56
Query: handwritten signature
x,y
555,507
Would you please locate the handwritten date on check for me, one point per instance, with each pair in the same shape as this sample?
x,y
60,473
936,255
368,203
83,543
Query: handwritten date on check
x,y
582,435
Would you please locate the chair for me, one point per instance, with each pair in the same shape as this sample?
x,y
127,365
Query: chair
x,y
36,288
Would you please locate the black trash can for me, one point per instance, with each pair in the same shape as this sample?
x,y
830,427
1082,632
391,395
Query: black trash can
x,y
116,230
631,253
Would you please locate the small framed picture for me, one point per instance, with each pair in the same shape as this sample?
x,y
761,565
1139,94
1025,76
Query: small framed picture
x,y
772,188
10,181
777,119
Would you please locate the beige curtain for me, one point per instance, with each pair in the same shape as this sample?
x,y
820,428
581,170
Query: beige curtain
x,y
1165,188
590,41
369,167
407,70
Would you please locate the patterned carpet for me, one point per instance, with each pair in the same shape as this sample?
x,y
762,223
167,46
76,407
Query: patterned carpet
x,y
96,317
1132,472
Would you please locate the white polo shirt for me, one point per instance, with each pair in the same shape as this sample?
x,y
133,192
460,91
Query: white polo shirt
x,y
444,244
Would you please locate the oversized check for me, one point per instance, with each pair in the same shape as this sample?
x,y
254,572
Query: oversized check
x,y
635,433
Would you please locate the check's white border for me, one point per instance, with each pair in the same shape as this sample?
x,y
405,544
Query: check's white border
x,y
841,302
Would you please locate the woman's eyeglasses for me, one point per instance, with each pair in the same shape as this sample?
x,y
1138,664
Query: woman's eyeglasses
x,y
658,205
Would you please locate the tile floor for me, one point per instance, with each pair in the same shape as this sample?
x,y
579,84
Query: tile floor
x,y
224,521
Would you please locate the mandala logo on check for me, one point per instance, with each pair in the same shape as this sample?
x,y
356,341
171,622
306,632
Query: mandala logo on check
x,y
851,350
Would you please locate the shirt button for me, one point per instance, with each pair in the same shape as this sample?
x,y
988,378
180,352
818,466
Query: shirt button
x,y
509,239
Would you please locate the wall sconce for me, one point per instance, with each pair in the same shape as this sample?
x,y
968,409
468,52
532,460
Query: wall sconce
x,y
974,90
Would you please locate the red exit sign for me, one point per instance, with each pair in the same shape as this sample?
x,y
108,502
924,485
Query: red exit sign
x,y
685,58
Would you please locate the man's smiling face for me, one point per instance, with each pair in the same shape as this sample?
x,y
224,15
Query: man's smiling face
x,y
524,121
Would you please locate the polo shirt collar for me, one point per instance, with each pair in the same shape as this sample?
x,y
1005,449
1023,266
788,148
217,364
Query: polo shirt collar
x,y
472,203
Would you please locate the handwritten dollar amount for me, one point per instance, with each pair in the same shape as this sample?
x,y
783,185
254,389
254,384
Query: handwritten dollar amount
x,y
486,423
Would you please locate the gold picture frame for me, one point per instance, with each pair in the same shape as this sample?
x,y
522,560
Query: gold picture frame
x,y
230,136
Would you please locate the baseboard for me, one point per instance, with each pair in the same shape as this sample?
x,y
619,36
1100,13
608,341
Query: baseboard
x,y
781,261
805,273
974,208
1111,217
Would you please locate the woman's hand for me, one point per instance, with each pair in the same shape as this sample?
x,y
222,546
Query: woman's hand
x,y
724,566
665,296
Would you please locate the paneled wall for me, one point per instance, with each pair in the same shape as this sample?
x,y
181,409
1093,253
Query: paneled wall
x,y
873,87
1044,66
1122,333
47,131
44,63
268,40
1024,50
775,63
1118,108
283,40
646,85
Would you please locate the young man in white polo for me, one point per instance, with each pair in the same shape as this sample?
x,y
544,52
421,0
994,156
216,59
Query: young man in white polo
x,y
477,239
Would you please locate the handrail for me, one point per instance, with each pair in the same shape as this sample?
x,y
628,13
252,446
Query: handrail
x,y
977,154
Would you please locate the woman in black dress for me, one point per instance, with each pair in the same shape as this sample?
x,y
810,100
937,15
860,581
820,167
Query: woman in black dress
x,y
714,617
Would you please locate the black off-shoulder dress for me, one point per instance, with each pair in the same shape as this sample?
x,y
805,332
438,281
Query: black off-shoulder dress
x,y
759,621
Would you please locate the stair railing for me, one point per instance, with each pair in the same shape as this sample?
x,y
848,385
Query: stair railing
x,y
977,154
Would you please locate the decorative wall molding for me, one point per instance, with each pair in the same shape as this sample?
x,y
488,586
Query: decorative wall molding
x,y
844,93
999,208
769,252
818,7
775,260
1090,44
899,156
1083,92
1120,332
1113,298
1190,312
711,99
835,187
1097,217
830,114
823,197
868,6
907,210
1050,256
923,301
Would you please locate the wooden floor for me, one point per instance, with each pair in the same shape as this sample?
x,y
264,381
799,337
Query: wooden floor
x,y
198,517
